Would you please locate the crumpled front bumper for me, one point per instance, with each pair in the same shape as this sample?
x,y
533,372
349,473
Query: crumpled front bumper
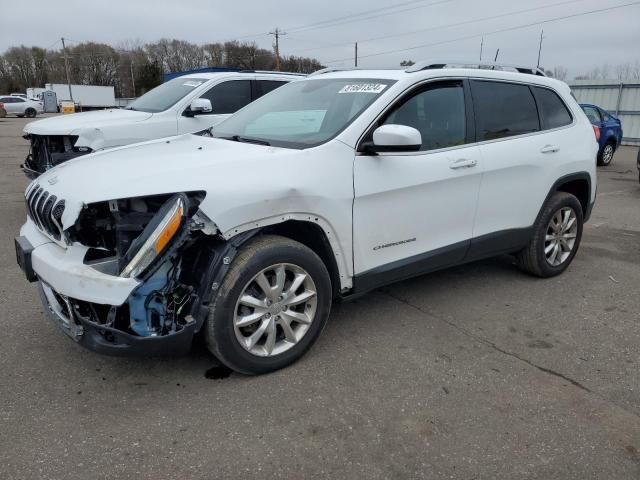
x,y
65,271
64,279
111,341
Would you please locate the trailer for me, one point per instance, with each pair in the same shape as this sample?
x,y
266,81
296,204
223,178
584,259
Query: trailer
x,y
35,92
85,97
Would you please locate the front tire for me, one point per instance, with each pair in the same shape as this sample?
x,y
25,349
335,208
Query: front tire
x,y
605,157
30,113
271,306
556,237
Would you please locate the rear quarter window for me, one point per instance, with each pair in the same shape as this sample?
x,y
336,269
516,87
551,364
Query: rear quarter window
x,y
553,111
503,109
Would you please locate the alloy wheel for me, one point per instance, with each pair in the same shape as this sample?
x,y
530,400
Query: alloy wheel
x,y
275,310
607,154
560,238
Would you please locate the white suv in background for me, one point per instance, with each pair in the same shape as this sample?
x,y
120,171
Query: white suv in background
x,y
187,104
325,189
22,107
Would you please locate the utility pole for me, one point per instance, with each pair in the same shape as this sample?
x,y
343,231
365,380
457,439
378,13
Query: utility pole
x,y
133,80
66,67
540,48
481,45
356,57
277,34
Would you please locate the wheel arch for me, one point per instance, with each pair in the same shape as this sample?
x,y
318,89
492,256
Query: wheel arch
x,y
577,184
312,231
611,138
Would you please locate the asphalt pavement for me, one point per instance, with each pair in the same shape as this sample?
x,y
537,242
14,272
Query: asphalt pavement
x,y
476,372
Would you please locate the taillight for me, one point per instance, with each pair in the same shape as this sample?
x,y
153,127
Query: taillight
x,y
596,131
1,105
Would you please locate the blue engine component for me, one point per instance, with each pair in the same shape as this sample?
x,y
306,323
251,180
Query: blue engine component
x,y
147,305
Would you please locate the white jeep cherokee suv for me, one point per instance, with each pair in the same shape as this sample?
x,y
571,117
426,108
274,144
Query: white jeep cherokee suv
x,y
324,189
186,104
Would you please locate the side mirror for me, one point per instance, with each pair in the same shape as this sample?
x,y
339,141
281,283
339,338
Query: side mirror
x,y
198,107
395,138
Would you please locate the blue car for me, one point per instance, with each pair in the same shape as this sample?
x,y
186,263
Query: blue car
x,y
610,131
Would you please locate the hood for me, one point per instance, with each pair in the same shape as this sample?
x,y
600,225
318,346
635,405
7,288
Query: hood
x,y
176,164
74,123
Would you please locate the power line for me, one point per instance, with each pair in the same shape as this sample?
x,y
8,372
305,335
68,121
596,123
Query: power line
x,y
352,17
365,15
467,37
52,45
441,27
370,17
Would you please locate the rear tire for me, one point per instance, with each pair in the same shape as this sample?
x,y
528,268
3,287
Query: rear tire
x,y
262,332
558,230
605,157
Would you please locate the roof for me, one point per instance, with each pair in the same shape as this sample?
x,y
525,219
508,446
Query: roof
x,y
442,69
209,73
172,75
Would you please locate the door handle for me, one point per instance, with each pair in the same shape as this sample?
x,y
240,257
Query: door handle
x,y
463,163
550,149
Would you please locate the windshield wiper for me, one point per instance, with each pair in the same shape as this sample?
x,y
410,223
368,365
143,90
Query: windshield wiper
x,y
238,138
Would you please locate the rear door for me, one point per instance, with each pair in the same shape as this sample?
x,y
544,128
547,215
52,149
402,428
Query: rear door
x,y
611,127
520,160
11,105
414,211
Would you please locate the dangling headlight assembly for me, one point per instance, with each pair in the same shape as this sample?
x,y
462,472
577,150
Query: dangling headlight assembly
x,y
156,236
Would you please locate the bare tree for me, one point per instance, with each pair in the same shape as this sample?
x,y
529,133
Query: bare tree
x,y
635,72
133,63
623,71
560,73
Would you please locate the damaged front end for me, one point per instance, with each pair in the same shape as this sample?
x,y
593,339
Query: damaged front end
x,y
47,151
159,241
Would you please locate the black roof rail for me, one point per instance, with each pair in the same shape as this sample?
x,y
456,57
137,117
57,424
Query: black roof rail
x,y
479,65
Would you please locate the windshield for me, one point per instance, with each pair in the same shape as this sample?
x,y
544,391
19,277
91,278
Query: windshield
x,y
302,114
166,95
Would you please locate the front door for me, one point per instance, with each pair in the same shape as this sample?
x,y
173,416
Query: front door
x,y
226,98
414,211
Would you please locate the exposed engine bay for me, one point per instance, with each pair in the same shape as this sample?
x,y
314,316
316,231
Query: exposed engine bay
x,y
47,151
175,287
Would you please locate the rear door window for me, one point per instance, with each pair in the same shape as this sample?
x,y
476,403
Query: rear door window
x,y
265,86
593,115
503,109
553,111
229,97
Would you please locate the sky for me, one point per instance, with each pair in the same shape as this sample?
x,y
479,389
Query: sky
x,y
387,31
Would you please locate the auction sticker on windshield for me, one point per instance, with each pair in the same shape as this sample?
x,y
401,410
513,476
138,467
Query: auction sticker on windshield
x,y
363,88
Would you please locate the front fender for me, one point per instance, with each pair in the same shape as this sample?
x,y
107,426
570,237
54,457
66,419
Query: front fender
x,y
342,260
